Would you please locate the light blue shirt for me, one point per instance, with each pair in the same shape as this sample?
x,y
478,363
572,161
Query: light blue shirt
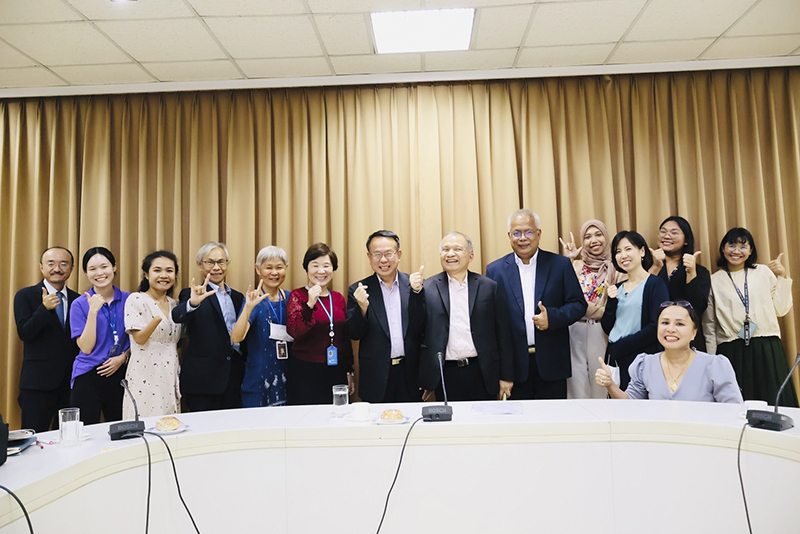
x,y
629,313
226,305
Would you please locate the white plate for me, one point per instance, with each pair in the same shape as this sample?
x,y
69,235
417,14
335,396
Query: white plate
x,y
168,432
349,417
14,435
402,421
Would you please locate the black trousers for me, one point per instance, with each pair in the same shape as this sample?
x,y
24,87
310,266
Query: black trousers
x,y
312,383
94,394
537,388
464,383
229,399
40,408
397,385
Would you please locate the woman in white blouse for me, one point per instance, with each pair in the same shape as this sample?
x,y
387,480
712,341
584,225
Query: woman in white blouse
x,y
741,321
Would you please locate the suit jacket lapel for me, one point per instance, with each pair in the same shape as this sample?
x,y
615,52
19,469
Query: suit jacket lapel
x,y
472,288
376,295
512,275
542,272
405,293
444,292
215,304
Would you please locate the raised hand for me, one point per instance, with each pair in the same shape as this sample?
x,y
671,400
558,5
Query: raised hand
x,y
51,302
611,290
313,295
417,278
540,320
690,264
95,302
361,295
253,298
659,257
603,375
571,251
199,293
777,267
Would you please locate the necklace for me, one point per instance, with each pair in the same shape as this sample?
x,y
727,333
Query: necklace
x,y
666,366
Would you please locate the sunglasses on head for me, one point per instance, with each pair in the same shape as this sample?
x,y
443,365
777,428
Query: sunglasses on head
x,y
682,303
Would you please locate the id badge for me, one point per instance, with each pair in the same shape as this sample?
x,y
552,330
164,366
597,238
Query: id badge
x,y
333,356
278,332
752,327
282,350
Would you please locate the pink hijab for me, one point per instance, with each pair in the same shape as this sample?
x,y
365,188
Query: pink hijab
x,y
599,263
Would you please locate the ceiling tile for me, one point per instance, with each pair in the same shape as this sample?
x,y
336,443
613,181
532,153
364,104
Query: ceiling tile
x,y
20,11
564,56
285,68
104,74
362,6
192,71
63,43
374,64
764,46
450,4
29,77
769,17
582,23
344,34
659,51
247,8
163,40
9,57
502,27
470,60
140,9
686,19
267,37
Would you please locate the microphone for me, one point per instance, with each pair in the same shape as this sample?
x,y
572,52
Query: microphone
x,y
439,413
773,420
127,429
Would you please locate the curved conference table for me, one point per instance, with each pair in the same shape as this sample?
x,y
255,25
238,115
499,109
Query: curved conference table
x,y
588,466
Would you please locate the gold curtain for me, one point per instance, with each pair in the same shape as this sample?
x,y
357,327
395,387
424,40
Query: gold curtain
x,y
294,166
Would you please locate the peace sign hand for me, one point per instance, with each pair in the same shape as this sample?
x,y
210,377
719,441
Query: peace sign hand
x,y
199,293
570,249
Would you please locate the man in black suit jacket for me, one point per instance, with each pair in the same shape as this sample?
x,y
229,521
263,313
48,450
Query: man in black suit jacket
x,y
386,313
212,367
543,298
42,316
467,323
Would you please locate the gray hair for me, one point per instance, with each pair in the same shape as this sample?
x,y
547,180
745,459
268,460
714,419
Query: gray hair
x,y
526,213
458,234
271,253
208,247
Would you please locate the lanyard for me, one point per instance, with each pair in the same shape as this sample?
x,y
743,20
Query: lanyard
x,y
744,298
328,313
111,317
279,314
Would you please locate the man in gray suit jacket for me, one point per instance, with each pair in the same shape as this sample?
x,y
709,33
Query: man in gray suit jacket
x,y
386,314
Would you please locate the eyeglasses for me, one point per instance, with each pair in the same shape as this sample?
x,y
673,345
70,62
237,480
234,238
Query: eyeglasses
x,y
378,255
516,234
211,263
741,247
682,303
457,250
63,264
674,233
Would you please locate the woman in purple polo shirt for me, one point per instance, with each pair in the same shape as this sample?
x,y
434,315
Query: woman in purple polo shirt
x,y
97,320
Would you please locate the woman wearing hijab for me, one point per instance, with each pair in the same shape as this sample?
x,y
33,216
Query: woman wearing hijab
x,y
587,341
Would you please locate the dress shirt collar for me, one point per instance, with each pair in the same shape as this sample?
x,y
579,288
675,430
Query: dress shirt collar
x,y
520,263
225,288
385,286
455,284
51,290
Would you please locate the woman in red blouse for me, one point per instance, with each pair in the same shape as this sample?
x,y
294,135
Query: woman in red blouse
x,y
322,355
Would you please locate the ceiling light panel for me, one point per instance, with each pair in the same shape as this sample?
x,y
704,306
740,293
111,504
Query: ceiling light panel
x,y
433,30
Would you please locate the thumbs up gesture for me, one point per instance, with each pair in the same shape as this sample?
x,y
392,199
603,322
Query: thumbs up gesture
x,y
540,320
362,297
603,375
777,267
416,279
690,264
51,302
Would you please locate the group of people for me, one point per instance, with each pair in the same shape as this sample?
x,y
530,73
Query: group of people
x,y
611,317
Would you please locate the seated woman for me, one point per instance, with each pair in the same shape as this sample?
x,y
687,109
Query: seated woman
x,y
680,372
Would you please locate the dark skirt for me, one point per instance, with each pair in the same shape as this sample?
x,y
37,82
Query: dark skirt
x,y
760,369
312,383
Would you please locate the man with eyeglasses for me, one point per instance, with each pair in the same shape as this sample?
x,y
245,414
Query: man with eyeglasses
x,y
212,368
543,298
386,313
41,312
467,323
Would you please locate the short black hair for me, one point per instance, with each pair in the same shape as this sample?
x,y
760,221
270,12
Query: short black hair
x,y
738,235
637,241
45,251
384,233
103,251
147,262
317,250
686,228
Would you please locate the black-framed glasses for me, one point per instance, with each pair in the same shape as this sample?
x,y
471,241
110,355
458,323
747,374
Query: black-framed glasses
x,y
210,263
682,303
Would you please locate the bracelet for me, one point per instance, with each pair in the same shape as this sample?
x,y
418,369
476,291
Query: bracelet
x,y
350,373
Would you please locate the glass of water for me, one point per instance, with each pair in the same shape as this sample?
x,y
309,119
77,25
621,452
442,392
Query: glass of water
x,y
341,398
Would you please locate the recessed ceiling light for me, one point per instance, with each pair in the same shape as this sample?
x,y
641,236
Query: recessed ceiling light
x,y
431,30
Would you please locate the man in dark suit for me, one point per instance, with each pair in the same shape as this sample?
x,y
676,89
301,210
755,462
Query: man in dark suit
x,y
212,367
543,297
42,316
386,313
467,323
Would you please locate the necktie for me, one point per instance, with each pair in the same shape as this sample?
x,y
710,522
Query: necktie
x,y
60,310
